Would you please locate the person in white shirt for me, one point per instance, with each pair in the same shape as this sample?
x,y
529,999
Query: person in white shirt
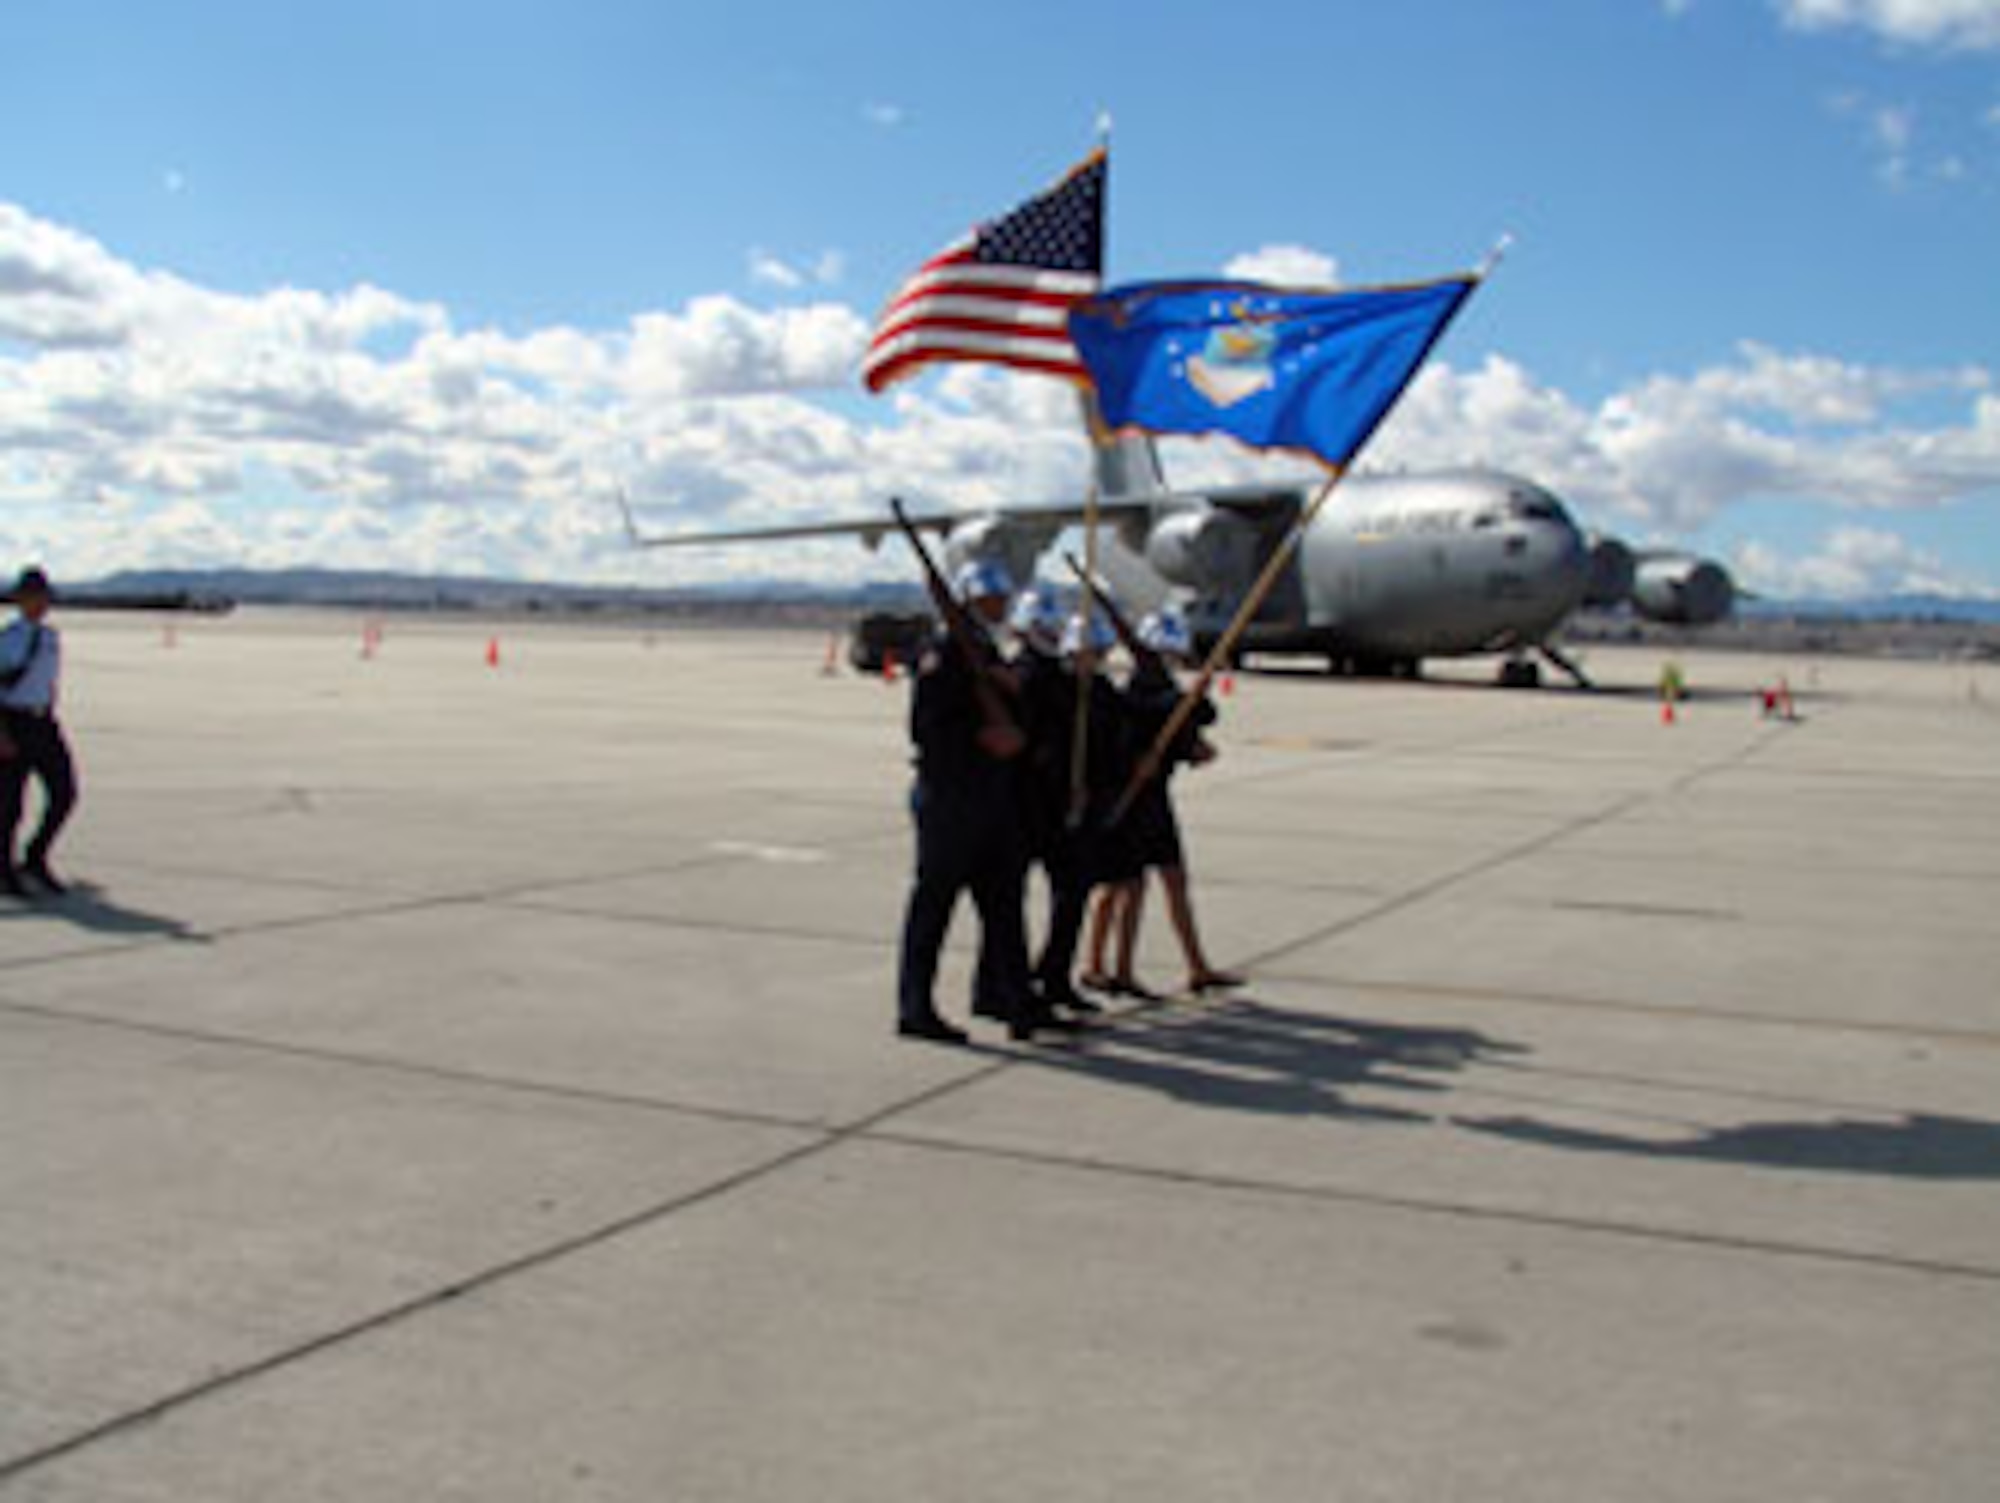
x,y
31,738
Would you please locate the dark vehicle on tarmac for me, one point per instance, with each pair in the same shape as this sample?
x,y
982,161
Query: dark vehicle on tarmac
x,y
882,634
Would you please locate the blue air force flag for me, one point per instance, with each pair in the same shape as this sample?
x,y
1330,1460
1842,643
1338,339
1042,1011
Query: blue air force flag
x,y
1272,368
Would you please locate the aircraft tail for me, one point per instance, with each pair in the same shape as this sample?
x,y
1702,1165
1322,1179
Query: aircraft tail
x,y
1127,464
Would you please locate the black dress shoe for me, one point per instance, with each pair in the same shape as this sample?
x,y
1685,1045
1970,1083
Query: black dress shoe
x,y
934,1029
46,879
10,883
1035,1020
1069,999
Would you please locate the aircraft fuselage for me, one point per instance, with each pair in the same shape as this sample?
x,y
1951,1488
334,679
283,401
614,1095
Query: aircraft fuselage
x,y
1395,569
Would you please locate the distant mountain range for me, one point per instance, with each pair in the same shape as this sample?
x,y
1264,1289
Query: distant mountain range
x,y
1883,608
384,590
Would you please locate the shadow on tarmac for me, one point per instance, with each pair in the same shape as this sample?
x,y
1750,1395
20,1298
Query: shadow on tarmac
x,y
1246,1056
87,906
1920,1146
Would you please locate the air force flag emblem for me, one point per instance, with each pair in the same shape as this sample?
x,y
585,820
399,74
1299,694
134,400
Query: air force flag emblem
x,y
1271,367
1234,365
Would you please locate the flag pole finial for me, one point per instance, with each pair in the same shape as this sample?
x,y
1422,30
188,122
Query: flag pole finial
x,y
1496,255
1104,130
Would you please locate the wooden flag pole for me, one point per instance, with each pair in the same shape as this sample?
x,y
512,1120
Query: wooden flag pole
x,y
1079,741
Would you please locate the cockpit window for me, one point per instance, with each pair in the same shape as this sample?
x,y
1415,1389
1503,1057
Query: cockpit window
x,y
1486,519
1533,509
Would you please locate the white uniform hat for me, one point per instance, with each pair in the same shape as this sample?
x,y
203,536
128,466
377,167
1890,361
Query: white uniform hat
x,y
1166,632
1038,618
982,579
1102,638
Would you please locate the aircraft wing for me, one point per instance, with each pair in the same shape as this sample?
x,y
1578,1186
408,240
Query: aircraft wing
x,y
1053,515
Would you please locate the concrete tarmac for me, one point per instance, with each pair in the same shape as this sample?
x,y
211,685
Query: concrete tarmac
x,y
456,1082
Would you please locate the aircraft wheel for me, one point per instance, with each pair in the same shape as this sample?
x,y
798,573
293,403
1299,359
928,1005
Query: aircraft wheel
x,y
1520,673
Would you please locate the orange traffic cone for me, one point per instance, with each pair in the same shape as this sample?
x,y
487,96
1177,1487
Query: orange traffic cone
x,y
1226,685
832,664
1666,712
492,652
889,667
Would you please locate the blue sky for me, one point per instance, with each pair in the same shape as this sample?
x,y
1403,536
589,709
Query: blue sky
x,y
1754,296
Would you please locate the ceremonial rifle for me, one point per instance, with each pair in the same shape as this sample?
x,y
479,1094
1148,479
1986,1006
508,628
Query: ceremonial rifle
x,y
1000,724
1146,660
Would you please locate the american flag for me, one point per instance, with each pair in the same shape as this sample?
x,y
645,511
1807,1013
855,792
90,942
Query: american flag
x,y
1003,293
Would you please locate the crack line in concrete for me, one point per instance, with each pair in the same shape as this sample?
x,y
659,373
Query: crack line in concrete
x,y
395,1314
1333,1194
1484,865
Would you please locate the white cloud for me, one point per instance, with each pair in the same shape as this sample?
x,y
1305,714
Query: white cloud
x,y
772,272
825,269
1285,266
1670,453
147,419
1959,25
1893,130
1853,563
1893,136
886,116
720,347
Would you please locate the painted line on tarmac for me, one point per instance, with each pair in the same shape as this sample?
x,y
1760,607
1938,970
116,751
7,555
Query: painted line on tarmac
x,y
403,904
691,924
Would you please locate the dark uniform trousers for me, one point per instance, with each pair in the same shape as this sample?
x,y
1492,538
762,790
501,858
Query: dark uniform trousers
x,y
1067,860
966,843
39,751
1075,859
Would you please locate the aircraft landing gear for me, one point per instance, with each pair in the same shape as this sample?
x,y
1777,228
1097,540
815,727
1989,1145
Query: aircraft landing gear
x,y
1520,673
1568,665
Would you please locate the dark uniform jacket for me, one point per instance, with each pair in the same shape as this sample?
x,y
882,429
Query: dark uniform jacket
x,y
945,722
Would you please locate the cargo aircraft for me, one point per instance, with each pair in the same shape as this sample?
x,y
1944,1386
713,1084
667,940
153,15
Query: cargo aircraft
x,y
1396,569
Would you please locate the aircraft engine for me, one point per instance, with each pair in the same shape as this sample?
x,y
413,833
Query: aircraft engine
x,y
1613,571
1683,591
1203,550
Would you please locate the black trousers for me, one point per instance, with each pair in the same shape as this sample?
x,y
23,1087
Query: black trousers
x,y
965,845
1067,859
39,751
